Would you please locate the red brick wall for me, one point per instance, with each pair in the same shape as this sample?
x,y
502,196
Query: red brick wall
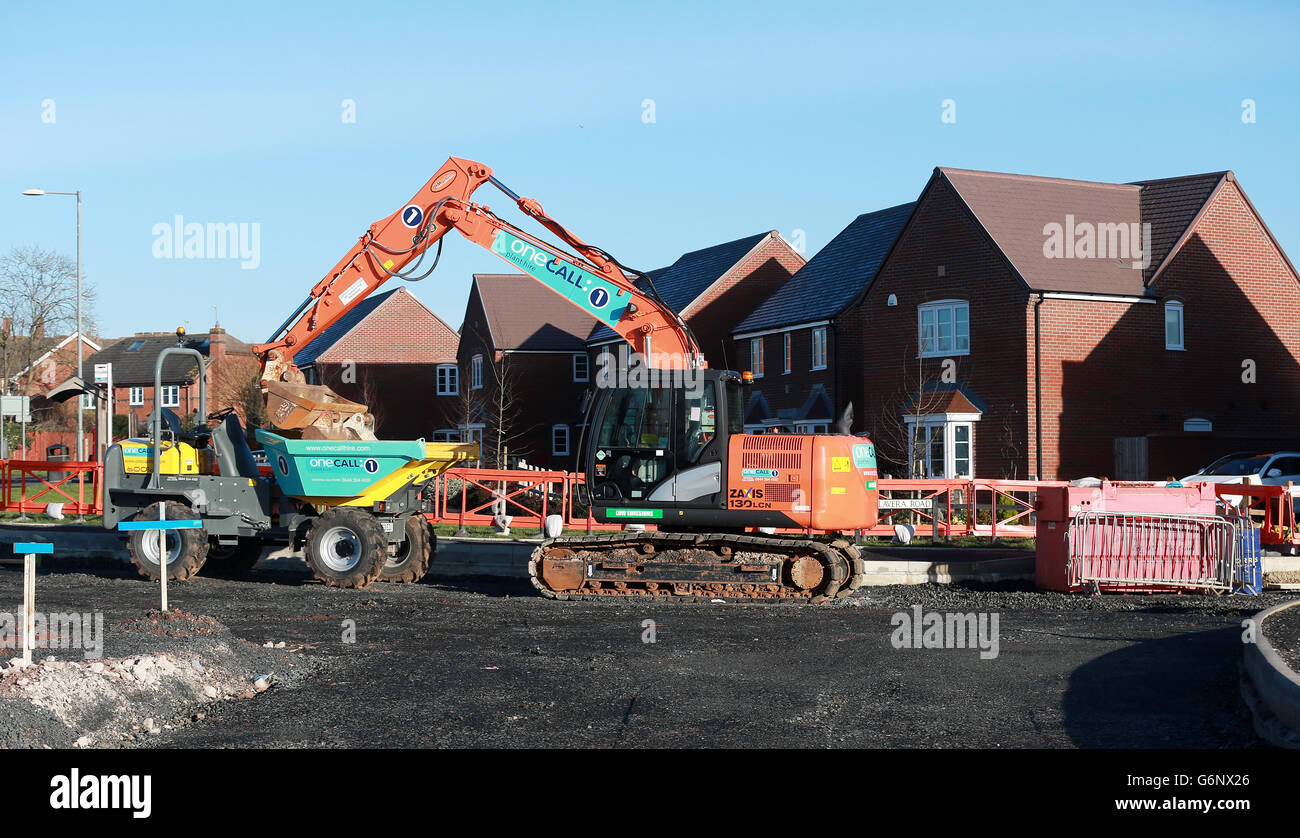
x,y
878,343
1241,301
782,391
544,389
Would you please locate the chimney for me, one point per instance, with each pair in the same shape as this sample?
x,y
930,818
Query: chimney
x,y
216,344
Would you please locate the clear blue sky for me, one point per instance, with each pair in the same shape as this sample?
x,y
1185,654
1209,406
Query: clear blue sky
x,y
768,116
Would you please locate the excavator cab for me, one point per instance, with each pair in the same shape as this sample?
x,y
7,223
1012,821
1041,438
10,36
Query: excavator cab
x,y
657,446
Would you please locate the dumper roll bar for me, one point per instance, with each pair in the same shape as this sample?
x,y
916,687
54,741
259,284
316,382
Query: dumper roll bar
x,y
155,421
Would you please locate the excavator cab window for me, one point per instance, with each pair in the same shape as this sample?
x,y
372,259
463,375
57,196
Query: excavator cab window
x,y
735,407
634,446
699,412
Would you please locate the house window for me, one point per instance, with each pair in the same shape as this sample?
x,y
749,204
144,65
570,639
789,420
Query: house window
x,y
476,372
448,380
135,396
942,447
580,367
171,395
560,440
472,432
756,357
944,328
819,348
447,435
1174,325
1198,425
785,365
811,428
87,401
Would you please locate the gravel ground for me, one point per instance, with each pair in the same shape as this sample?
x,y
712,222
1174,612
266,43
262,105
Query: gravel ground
x,y
1283,631
490,664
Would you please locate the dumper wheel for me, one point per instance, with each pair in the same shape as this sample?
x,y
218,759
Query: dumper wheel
x,y
231,561
346,548
186,550
410,559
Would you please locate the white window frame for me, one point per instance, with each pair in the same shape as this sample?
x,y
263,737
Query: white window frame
x,y
476,372
819,342
586,367
450,386
87,401
1180,345
949,422
473,432
756,364
170,396
938,308
556,449
135,396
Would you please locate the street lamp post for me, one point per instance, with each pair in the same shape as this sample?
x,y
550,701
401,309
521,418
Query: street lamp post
x,y
36,193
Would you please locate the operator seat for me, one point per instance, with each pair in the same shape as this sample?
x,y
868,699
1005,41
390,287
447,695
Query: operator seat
x,y
234,457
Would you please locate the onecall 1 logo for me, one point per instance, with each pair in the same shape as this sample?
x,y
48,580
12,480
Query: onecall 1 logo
x,y
442,182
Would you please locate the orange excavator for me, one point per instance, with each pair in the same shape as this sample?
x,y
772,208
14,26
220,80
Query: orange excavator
x,y
666,450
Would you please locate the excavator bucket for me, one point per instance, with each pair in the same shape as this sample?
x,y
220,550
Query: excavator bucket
x,y
317,410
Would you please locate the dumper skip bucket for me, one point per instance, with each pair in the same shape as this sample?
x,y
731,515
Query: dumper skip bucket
x,y
321,468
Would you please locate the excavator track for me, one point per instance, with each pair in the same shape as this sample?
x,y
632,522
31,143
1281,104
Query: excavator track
x,y
696,567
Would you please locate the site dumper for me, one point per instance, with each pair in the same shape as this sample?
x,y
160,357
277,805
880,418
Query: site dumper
x,y
371,491
354,506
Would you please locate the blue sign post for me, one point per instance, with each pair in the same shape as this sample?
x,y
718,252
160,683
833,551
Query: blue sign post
x,y
161,525
29,549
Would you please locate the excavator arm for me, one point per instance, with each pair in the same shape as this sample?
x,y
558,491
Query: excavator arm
x,y
396,246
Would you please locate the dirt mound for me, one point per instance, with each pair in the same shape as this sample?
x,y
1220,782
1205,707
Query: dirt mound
x,y
183,663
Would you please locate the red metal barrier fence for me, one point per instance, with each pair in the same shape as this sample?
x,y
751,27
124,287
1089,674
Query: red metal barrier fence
x,y
527,496
27,486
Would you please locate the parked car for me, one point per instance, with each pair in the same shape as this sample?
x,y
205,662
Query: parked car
x,y
1251,468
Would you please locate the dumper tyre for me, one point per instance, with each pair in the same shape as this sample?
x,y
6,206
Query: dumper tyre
x,y
346,547
186,550
413,556
231,561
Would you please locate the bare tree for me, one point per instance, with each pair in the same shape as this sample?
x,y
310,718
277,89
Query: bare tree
x,y
898,415
38,299
505,429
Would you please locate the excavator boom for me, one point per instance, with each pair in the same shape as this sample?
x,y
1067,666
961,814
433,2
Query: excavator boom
x,y
396,246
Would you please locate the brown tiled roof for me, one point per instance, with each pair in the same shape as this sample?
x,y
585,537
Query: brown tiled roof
x,y
523,314
390,328
1170,205
1014,209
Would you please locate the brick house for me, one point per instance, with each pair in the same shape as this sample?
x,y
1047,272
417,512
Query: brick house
x,y
1010,332
791,341
714,289
394,355
133,360
524,370
55,361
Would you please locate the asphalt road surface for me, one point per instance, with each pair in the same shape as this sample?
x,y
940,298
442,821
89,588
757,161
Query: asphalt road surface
x,y
491,664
